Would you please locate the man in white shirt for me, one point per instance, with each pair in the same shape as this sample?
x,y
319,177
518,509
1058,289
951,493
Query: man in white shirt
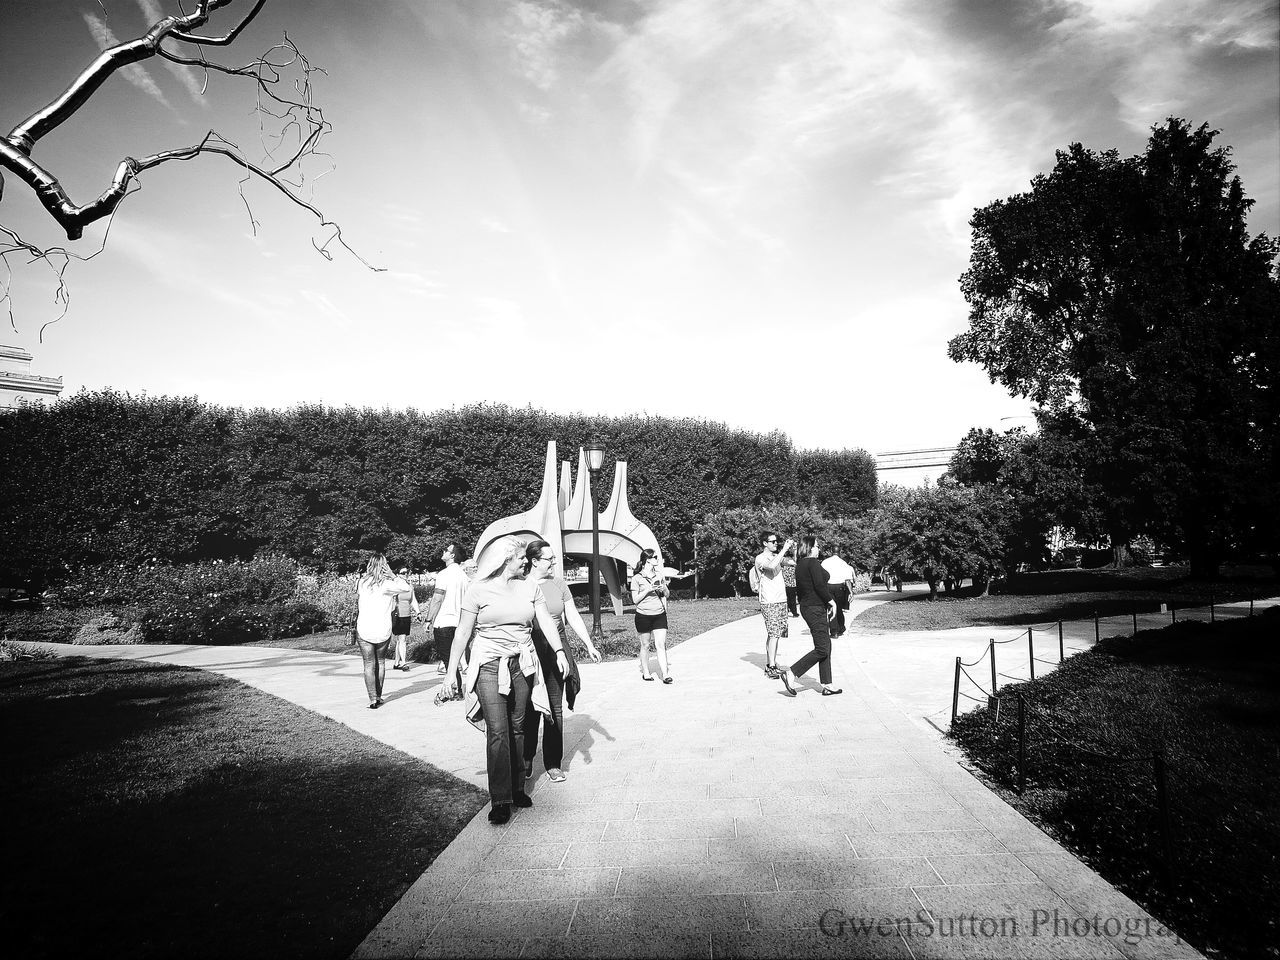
x,y
773,596
841,583
446,601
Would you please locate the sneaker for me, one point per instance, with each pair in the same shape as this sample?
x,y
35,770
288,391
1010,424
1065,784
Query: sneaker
x,y
555,775
500,813
522,800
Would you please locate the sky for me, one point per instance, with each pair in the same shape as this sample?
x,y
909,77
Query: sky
x,y
749,211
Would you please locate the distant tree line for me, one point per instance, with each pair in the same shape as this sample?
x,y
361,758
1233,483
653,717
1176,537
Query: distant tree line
x,y
106,477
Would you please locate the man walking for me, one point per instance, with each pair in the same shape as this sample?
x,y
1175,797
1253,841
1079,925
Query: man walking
x,y
773,596
841,579
446,602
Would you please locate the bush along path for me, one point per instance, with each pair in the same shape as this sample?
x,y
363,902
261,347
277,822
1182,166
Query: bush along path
x,y
1153,757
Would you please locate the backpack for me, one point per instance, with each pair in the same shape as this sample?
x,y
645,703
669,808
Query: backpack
x,y
753,578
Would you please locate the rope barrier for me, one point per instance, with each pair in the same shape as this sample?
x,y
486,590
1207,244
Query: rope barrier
x,y
975,682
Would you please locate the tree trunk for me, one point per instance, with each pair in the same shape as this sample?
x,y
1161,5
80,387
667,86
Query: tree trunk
x,y
933,588
1120,555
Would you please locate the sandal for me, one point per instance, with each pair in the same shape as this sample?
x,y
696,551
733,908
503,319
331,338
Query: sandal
x,y
830,692
645,677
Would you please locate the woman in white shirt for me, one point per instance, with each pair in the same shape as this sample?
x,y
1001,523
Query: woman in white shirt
x,y
375,603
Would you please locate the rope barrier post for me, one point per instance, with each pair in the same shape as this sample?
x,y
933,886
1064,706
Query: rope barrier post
x,y
991,651
1159,768
955,693
1031,653
1135,623
1096,634
1022,743
1212,609
1251,605
1173,613
1061,649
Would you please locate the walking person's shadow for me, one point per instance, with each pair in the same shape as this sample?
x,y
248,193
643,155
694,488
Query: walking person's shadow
x,y
579,737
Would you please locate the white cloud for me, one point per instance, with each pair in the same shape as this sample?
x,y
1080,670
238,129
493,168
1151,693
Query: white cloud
x,y
134,73
188,77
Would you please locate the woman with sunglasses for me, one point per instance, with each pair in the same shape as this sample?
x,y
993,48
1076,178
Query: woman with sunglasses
x,y
649,590
540,568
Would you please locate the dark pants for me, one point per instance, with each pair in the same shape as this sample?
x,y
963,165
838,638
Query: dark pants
x,y
841,594
552,733
504,727
816,618
792,595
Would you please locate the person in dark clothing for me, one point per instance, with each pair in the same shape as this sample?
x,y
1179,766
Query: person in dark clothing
x,y
816,605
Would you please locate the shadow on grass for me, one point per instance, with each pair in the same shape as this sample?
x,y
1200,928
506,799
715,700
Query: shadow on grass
x,y
158,811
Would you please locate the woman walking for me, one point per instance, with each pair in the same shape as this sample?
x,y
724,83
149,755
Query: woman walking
x,y
539,566
503,670
402,621
649,590
815,601
376,593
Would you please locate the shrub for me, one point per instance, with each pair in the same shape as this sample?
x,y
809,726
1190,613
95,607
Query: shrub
x,y
268,579
228,624
110,628
20,651
46,626
336,599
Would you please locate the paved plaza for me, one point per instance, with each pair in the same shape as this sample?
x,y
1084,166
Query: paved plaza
x,y
717,817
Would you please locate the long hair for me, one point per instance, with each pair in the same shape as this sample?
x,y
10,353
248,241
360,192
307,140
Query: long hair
x,y
647,554
506,548
533,552
377,570
808,541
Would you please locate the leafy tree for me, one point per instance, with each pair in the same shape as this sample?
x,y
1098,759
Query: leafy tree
x,y
1126,298
946,532
1012,465
838,482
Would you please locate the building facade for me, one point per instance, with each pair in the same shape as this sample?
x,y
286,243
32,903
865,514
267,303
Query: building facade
x,y
18,385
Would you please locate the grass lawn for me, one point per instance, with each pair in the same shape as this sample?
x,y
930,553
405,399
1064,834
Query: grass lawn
x,y
1029,598
1210,695
157,811
687,618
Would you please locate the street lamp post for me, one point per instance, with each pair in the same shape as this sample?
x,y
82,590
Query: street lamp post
x,y
595,460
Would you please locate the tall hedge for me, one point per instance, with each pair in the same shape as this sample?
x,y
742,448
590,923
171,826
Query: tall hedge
x,y
110,477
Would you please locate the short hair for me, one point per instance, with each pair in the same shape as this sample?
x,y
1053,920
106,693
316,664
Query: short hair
x,y
459,554
766,534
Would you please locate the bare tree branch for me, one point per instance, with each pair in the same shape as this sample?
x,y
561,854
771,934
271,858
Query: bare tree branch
x,y
282,77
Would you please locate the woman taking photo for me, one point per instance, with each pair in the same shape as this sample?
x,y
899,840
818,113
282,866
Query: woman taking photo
x,y
503,670
649,591
539,566
376,593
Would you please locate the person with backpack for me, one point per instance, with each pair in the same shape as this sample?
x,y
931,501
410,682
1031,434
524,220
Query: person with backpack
x,y
767,580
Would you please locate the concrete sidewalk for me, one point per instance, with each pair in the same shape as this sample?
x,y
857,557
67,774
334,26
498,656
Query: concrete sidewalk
x,y
717,817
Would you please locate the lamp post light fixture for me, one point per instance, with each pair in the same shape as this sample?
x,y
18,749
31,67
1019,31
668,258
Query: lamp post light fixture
x,y
595,460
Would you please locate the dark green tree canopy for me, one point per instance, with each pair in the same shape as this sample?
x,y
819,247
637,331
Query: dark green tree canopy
x,y
1127,299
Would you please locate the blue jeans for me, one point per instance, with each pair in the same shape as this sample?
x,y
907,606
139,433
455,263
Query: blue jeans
x,y
504,726
552,733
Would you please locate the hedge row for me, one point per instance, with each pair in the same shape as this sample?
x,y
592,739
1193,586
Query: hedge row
x,y
105,477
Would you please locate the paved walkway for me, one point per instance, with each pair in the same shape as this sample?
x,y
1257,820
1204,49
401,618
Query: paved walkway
x,y
717,817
